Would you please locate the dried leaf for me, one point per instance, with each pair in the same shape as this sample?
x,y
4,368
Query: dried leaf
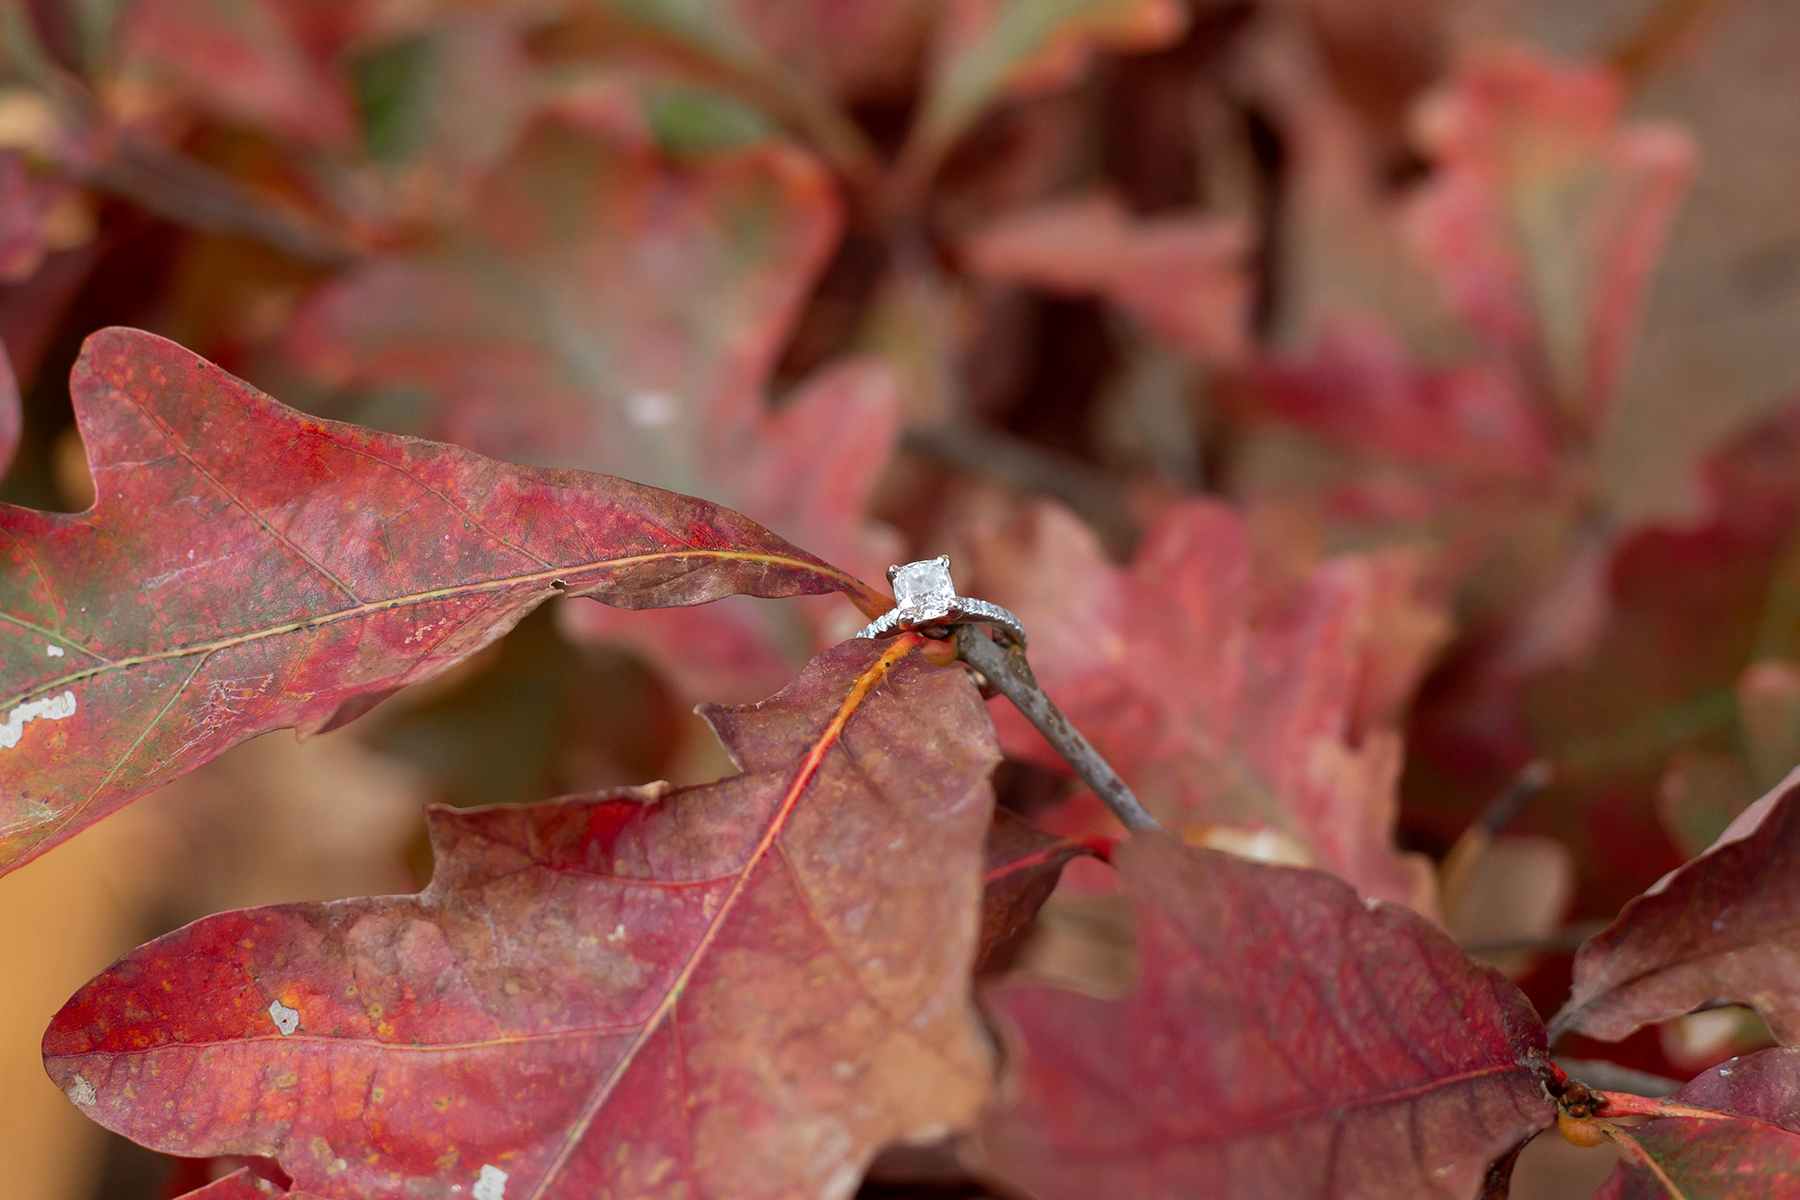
x,y
1718,930
247,568
745,988
1221,710
1186,277
1752,1150
1285,1038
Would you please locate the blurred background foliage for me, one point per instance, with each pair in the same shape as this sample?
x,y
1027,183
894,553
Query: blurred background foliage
x,y
1362,401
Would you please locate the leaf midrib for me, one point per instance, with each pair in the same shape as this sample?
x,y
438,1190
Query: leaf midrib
x,y
370,608
810,765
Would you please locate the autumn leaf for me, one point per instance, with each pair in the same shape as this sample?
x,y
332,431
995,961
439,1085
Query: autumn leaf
x,y
38,214
987,49
1744,1142
1545,217
1482,327
1235,720
641,302
743,988
1719,930
1184,276
1023,866
239,1185
244,60
1284,1038
247,568
811,468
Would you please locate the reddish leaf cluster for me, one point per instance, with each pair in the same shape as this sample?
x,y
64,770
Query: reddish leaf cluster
x,y
1314,383
197,604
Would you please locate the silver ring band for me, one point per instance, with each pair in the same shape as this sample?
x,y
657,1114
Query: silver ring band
x,y
959,611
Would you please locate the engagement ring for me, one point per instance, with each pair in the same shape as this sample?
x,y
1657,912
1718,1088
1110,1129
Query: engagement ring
x,y
925,598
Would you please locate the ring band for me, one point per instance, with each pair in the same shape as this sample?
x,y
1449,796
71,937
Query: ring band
x,y
926,599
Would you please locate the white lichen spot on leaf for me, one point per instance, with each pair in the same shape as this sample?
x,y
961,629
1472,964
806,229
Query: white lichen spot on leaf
x,y
82,1092
54,651
286,1019
490,1184
53,708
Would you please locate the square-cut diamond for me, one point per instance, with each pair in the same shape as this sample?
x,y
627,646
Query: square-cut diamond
x,y
923,590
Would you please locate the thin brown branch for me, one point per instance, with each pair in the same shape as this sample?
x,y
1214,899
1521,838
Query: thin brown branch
x,y
1008,672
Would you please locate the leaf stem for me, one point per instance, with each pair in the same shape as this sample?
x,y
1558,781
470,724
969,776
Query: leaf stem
x,y
1008,671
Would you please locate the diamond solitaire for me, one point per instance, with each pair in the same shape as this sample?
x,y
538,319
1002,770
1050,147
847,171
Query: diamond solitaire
x,y
925,598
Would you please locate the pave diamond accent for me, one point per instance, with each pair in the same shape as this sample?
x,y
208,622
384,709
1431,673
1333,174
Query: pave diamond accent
x,y
923,590
925,598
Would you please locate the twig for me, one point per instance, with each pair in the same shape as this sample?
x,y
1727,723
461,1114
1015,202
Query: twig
x,y
1502,811
1604,1076
1008,671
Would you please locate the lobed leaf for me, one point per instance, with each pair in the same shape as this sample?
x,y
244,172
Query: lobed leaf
x,y
251,61
1717,930
248,568
1183,276
1546,216
1747,1145
734,990
642,303
1023,866
1284,1038
987,49
1234,719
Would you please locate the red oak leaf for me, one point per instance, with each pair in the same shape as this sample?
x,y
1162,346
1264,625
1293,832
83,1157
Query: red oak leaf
x,y
1746,1144
1481,328
1718,930
247,568
987,49
739,989
1545,217
1023,866
1185,277
641,304
1232,717
810,469
1284,1038
246,60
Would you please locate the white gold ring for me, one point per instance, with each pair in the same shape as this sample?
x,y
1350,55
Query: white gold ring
x,y
925,598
